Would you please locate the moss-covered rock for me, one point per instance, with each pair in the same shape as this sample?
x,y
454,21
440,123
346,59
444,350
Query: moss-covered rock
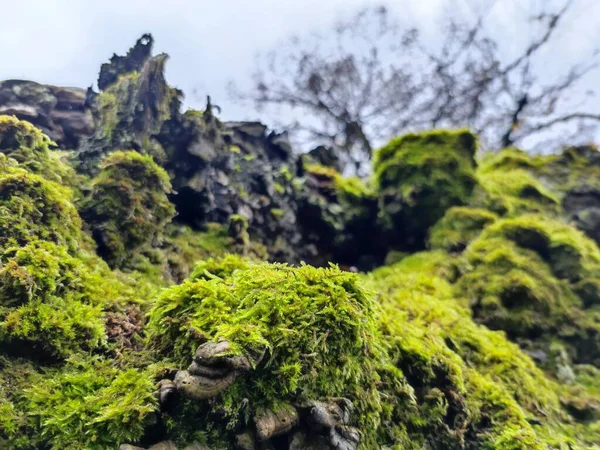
x,y
49,299
129,112
33,208
420,176
128,206
459,226
271,341
27,145
314,327
92,404
338,215
515,192
535,278
472,386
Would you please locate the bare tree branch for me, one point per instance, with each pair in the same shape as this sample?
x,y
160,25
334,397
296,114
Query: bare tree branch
x,y
370,78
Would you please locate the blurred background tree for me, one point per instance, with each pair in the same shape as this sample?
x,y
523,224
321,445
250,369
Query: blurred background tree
x,y
371,77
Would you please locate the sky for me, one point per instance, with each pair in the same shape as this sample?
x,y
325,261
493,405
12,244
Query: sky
x,y
212,42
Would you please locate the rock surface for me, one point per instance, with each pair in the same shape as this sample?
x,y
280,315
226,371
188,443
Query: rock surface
x,y
60,112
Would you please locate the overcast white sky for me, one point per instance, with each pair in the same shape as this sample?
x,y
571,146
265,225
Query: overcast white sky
x,y
211,42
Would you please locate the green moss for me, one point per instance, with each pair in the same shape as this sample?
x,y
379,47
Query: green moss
x,y
459,226
107,106
569,253
27,145
17,428
290,313
52,303
183,247
113,103
420,176
218,268
469,382
533,278
277,212
513,289
514,192
510,159
287,175
128,205
349,189
33,208
92,404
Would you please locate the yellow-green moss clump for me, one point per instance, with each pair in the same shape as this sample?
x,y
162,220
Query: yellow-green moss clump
x,y
418,371
536,278
128,206
92,404
33,208
514,192
420,176
459,226
51,302
470,384
53,290
315,328
512,182
27,145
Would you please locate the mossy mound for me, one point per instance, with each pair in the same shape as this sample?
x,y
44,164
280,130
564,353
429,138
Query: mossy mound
x,y
418,371
459,226
314,330
27,145
128,206
92,404
420,176
89,402
33,208
569,253
513,193
535,278
51,303
510,159
472,386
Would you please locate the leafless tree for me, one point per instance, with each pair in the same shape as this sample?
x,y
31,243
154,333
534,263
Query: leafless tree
x,y
369,78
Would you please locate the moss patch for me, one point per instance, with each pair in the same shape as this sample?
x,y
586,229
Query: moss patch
x,y
420,176
459,226
23,142
128,206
